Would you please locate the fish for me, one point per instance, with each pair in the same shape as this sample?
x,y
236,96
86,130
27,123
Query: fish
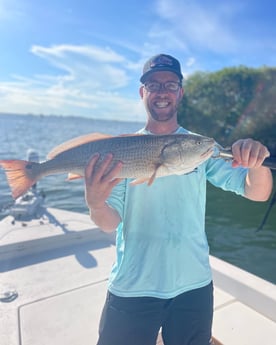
x,y
144,157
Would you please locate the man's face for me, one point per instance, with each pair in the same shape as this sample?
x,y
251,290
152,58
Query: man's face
x,y
161,105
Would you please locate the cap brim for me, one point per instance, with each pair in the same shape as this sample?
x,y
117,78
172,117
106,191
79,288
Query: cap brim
x,y
161,69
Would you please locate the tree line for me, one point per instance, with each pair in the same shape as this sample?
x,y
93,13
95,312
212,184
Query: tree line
x,y
233,103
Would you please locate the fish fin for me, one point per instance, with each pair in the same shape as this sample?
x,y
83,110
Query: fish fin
x,y
139,180
153,176
72,176
146,179
84,139
17,177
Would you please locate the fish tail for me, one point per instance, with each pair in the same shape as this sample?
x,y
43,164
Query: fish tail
x,y
18,175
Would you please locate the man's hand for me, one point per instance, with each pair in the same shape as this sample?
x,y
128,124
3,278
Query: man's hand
x,y
99,181
249,153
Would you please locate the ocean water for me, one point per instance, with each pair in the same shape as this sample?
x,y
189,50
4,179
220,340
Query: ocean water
x,y
231,221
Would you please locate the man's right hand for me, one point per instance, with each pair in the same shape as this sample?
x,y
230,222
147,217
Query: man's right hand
x,y
99,183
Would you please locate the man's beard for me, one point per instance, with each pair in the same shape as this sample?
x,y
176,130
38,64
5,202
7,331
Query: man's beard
x,y
162,115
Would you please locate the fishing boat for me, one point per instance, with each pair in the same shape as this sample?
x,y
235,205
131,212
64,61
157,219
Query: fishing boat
x,y
54,267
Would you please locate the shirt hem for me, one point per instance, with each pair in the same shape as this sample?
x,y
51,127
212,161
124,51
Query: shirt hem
x,y
156,294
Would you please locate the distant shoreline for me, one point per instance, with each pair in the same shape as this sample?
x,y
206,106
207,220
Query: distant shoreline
x,y
2,114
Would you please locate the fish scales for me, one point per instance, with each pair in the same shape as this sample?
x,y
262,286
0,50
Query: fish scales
x,y
139,154
144,158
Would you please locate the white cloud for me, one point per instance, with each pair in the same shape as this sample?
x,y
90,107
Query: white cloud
x,y
59,100
89,81
90,66
93,52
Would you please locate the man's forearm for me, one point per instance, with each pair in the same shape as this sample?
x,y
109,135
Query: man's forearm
x,y
258,185
105,217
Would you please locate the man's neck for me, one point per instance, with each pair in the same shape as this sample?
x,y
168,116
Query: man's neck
x,y
162,128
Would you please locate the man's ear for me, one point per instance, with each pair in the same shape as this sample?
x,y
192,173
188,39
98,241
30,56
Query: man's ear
x,y
141,91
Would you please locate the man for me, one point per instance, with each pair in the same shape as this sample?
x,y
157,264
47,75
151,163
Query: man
x,y
161,277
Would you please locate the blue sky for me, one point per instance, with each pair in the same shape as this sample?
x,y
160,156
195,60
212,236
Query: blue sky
x,y
84,57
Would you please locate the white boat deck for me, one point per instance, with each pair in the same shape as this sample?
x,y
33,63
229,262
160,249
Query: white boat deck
x,y
59,268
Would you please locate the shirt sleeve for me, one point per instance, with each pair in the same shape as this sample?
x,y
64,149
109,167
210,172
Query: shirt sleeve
x,y
221,174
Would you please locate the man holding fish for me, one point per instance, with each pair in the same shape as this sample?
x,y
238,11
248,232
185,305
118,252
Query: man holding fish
x,y
162,278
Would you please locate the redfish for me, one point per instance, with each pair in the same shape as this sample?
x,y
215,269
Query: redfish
x,y
144,158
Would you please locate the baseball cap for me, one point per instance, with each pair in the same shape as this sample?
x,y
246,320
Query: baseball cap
x,y
161,62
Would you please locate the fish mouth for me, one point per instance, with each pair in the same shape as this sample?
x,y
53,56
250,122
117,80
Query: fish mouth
x,y
208,153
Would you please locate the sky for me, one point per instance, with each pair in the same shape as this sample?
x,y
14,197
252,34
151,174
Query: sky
x,y
85,57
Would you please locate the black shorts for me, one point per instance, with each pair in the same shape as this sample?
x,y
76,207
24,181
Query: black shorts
x,y
184,320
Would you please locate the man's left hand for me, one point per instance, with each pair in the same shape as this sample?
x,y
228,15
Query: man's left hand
x,y
249,153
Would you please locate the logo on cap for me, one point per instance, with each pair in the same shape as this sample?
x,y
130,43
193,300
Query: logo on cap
x,y
161,60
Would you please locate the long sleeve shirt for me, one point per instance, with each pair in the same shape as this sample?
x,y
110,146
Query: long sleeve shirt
x,y
162,249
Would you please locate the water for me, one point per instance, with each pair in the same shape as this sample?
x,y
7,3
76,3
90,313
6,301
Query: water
x,y
231,221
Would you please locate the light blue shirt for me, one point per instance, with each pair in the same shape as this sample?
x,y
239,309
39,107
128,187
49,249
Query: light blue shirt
x,y
162,249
